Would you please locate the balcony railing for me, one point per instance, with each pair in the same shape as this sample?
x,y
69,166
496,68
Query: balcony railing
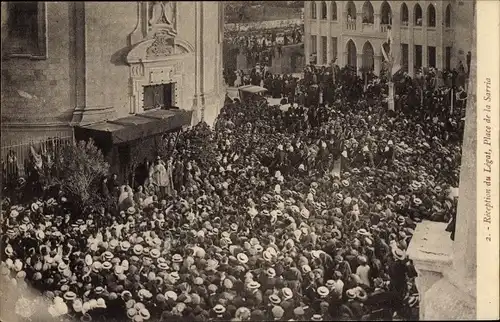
x,y
368,26
405,23
351,25
383,27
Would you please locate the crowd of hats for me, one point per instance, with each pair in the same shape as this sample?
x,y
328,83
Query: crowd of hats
x,y
247,237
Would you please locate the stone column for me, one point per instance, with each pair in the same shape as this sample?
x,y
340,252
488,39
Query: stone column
x,y
411,50
359,63
307,37
329,19
376,21
425,51
359,20
318,47
377,64
439,57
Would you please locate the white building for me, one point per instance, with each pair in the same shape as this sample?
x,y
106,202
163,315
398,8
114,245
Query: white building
x,y
425,33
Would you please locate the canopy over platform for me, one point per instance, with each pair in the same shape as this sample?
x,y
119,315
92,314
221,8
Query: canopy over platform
x,y
133,127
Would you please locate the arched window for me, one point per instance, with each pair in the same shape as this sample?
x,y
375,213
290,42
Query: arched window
x,y
386,14
418,15
368,59
404,15
431,16
324,11
351,54
447,18
313,10
368,16
351,11
333,4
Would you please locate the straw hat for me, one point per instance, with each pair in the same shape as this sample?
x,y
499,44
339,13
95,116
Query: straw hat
x,y
398,253
177,258
138,249
287,293
155,253
242,258
351,293
274,299
270,272
323,291
253,285
70,296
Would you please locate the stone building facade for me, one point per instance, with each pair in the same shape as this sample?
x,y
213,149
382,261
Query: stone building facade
x,y
425,33
67,64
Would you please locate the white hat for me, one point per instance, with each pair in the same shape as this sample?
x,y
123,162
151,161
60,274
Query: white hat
x,y
323,291
242,258
287,293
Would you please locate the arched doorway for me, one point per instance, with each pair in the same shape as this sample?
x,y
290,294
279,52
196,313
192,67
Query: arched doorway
x,y
385,14
351,54
368,57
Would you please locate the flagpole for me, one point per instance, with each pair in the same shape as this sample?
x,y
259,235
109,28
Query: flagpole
x,y
452,99
390,60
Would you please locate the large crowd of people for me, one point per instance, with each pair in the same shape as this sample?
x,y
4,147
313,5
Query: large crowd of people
x,y
263,46
255,218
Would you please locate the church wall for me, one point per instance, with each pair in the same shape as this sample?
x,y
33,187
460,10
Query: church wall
x,y
86,66
108,25
47,79
464,10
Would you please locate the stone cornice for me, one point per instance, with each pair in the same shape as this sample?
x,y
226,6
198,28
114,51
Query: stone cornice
x,y
41,125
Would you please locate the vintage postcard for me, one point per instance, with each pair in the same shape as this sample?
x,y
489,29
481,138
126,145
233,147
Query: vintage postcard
x,y
249,160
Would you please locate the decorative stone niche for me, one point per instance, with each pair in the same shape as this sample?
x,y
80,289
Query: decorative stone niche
x,y
157,61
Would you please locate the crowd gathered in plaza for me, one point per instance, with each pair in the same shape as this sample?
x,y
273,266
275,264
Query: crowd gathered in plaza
x,y
263,46
298,214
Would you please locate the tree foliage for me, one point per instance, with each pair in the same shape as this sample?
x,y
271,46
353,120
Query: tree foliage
x,y
80,168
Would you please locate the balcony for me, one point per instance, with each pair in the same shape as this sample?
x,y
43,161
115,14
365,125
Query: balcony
x,y
351,25
383,27
367,26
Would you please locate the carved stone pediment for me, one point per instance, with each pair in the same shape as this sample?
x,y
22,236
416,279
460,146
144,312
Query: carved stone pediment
x,y
161,46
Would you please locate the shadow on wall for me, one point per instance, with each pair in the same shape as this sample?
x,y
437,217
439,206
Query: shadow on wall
x,y
119,58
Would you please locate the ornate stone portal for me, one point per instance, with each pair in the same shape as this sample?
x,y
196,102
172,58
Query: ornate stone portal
x,y
187,52
158,58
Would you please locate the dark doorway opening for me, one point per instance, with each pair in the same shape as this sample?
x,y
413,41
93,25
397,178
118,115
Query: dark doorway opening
x,y
158,96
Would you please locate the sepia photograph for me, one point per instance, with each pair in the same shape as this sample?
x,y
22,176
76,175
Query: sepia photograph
x,y
248,161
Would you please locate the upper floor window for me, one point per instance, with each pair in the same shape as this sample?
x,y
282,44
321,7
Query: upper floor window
x,y
405,16
418,15
368,16
447,18
431,16
351,11
25,30
333,4
313,10
386,14
324,11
